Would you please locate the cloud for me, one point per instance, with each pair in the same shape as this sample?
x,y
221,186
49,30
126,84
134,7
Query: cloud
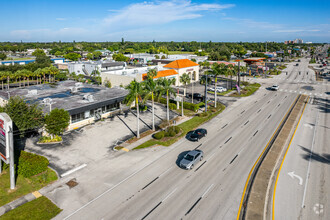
x,y
160,12
61,19
294,31
257,25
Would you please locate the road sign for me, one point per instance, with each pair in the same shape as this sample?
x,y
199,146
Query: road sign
x,y
6,136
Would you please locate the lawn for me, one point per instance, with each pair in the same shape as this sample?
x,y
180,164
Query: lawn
x,y
40,208
247,90
222,93
23,185
179,52
185,127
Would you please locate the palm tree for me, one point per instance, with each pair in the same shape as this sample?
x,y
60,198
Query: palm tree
x,y
38,73
216,72
166,88
53,71
3,76
230,72
185,79
150,87
135,92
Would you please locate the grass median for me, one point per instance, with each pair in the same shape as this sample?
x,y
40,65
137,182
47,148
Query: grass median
x,y
38,209
247,90
185,128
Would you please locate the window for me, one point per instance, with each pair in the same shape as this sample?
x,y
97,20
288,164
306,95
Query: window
x,y
77,117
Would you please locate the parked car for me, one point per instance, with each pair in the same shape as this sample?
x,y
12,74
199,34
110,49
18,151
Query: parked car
x,y
191,158
274,87
198,134
210,89
221,89
196,96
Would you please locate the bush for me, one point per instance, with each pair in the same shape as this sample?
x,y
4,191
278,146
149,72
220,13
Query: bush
x,y
192,106
159,135
177,129
31,164
203,114
171,133
46,139
172,106
244,83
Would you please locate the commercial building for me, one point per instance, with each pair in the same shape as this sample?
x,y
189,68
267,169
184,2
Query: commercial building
x,y
23,62
85,103
87,68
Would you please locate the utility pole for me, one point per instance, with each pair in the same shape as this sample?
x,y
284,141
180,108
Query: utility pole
x,y
239,75
206,92
11,159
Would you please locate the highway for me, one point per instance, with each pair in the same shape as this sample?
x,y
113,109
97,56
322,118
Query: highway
x,y
213,189
303,184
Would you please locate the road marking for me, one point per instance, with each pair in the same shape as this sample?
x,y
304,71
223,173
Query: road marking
x,y
165,171
318,208
73,170
233,159
255,133
308,125
36,194
208,189
169,195
309,162
246,122
228,140
295,175
279,170
125,149
224,126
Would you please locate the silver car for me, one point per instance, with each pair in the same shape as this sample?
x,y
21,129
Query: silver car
x,y
191,158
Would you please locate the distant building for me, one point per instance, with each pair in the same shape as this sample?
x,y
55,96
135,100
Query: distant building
x,y
23,62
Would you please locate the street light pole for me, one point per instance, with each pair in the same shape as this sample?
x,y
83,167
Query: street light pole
x,y
206,92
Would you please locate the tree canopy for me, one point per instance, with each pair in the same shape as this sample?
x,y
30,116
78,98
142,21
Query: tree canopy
x,y
57,121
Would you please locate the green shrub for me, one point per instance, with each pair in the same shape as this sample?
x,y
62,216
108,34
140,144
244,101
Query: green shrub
x,y
47,139
244,83
177,129
172,106
203,114
31,164
171,133
159,135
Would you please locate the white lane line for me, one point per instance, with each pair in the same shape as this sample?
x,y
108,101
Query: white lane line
x,y
73,170
207,190
165,171
169,194
309,162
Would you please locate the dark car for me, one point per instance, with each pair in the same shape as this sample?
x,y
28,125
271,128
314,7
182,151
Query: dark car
x,y
198,134
191,158
196,96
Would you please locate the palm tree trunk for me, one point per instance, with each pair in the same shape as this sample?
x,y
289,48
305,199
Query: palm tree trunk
x,y
153,111
168,109
138,118
215,91
231,81
192,92
2,84
49,78
28,81
8,82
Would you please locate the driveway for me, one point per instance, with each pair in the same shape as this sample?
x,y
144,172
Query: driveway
x,y
94,142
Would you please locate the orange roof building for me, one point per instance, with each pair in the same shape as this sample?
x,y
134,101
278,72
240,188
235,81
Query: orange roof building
x,y
162,73
179,64
254,60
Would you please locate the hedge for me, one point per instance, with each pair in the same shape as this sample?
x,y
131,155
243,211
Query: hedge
x,y
186,105
159,135
30,164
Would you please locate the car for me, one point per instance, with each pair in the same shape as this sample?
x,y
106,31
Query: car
x,y
191,158
196,96
210,89
274,87
221,89
198,134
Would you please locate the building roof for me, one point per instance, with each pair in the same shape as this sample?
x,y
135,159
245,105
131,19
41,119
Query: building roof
x,y
183,63
255,59
112,64
162,73
64,96
224,62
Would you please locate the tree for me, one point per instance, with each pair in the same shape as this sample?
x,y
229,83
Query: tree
x,y
58,53
39,53
25,116
216,72
57,121
72,56
97,54
166,85
3,56
185,79
43,60
107,83
90,56
150,87
120,57
135,92
230,71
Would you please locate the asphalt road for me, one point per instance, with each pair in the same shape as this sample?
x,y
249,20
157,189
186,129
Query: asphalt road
x,y
213,189
303,185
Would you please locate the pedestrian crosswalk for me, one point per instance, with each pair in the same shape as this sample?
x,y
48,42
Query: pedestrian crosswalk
x,y
303,92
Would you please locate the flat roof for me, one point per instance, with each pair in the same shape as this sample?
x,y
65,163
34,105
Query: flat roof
x,y
255,59
62,97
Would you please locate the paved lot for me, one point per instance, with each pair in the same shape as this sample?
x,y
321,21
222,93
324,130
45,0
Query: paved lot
x,y
94,142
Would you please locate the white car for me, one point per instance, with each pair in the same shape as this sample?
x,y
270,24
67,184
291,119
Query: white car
x,y
221,89
274,87
210,89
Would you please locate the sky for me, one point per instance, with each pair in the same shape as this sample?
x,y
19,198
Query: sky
x,y
175,20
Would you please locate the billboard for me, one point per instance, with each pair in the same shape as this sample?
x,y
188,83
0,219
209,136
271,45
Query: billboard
x,y
6,136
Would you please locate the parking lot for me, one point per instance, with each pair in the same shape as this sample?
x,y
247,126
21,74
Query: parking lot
x,y
94,142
